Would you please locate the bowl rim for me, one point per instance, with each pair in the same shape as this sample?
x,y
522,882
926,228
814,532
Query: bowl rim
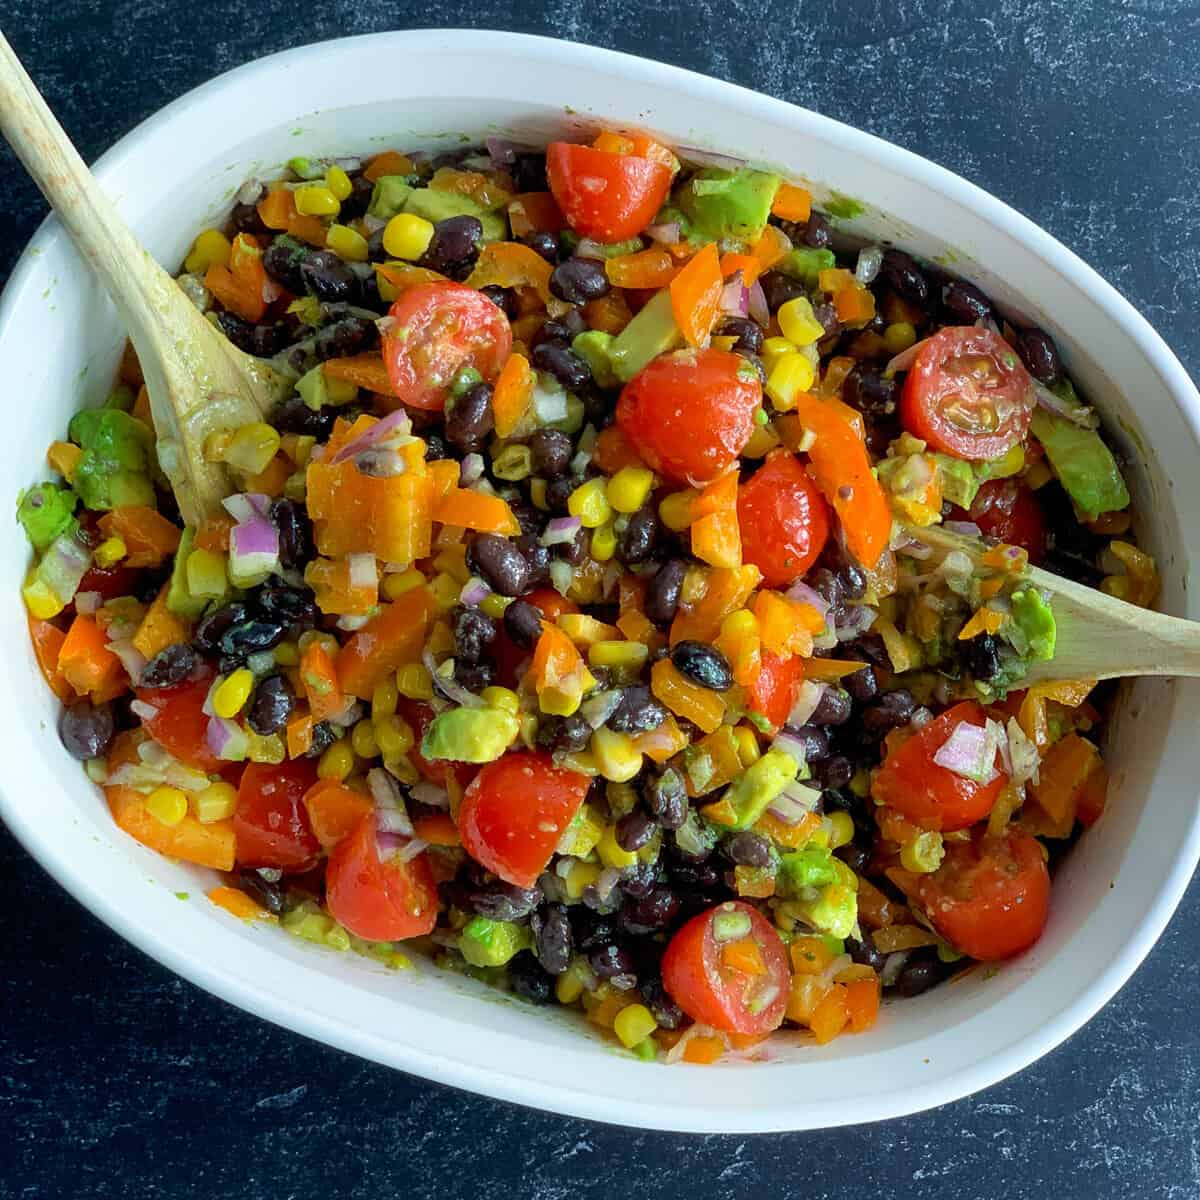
x,y
566,1099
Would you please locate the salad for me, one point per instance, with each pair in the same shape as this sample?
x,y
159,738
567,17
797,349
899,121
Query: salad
x,y
567,623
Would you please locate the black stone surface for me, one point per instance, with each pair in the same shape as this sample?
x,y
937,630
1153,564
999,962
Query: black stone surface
x,y
117,1079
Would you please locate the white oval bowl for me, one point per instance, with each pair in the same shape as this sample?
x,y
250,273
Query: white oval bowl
x,y
59,342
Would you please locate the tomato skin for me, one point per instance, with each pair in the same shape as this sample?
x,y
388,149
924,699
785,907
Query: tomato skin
x,y
378,900
181,726
515,811
937,379
774,692
506,654
440,328
1010,512
271,822
691,975
990,897
438,771
783,518
931,795
110,582
605,197
690,414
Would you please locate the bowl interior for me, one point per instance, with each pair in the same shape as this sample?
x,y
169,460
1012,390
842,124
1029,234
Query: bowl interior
x,y
60,340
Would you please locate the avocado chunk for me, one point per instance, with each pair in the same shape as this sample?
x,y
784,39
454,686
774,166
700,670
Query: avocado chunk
x,y
594,346
113,469
958,480
435,205
1032,630
317,390
834,911
729,204
475,735
389,196
805,263
180,600
811,867
758,785
651,332
487,943
45,512
1083,464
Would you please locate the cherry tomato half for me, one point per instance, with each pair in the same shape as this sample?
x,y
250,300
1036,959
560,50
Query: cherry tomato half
x,y
271,822
967,394
783,518
927,793
381,899
515,811
180,725
109,582
440,328
727,968
439,770
1010,512
774,692
689,414
990,897
605,197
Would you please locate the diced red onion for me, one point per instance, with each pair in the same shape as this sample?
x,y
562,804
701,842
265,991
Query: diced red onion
x,y
969,752
143,712
226,739
595,710
411,849
587,248
606,883
448,687
390,814
807,699
245,506
807,595
387,844
502,153
64,565
88,602
561,576
132,659
964,528
153,754
364,572
735,297
795,802
825,640
756,304
560,531
1077,413
870,259
858,618
474,592
470,469
905,358
430,794
793,747
395,424
666,234
253,550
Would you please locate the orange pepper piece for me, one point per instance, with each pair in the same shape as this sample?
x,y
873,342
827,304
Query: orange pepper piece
x,y
610,313
703,707
745,956
702,1050
830,670
84,659
392,639
512,393
728,590
320,681
613,451
510,265
716,536
390,162
831,1015
855,306
770,246
652,268
750,267
299,736
793,837
696,295
474,510
237,903
364,370
401,276
148,536
272,479
862,1004
47,642
786,626
437,828
792,203
334,810
1064,770
534,212
335,593
213,534
160,628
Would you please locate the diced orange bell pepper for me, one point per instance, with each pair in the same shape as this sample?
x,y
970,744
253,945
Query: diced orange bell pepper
x,y
810,955
484,188
786,626
830,670
696,295
862,1004
209,845
836,371
243,287
792,203
747,264
652,268
400,276
719,754
272,479
237,904
436,828
278,211
743,955
741,644
557,664
609,314
534,212
770,247
148,536
390,162
702,706
160,628
855,306
831,1014
130,370
511,265
876,909
334,810
392,639
445,473
716,537
1061,777
791,837
213,534
662,743
299,736
335,593
703,1050
320,680
84,659
47,642
475,510
512,394
363,370
728,590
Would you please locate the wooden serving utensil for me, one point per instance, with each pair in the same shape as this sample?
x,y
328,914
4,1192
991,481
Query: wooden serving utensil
x,y
198,382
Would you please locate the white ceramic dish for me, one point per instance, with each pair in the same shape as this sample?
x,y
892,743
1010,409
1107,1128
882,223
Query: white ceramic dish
x,y
59,341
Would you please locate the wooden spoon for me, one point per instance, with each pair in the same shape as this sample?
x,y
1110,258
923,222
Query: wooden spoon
x,y
198,382
1099,637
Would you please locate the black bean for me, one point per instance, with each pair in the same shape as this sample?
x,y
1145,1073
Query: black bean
x,y
550,331
654,911
827,585
966,302
528,979
474,632
470,419
499,563
294,606
867,390
537,561
245,219
817,232
553,939
862,685
698,876
523,624
779,288
454,247
702,664
610,961
271,708
505,299
562,362
839,560
639,880
749,333
836,771
268,340
981,656
889,712
634,830
564,735
501,901
576,550
239,641
918,975
544,244
529,172
591,929
359,200
210,631
282,260
558,492
904,277
826,314
269,893
529,518
87,729
637,712
662,594
551,451
814,740
323,736
169,666
344,338
640,537
748,850
579,280
1040,355
474,676
328,277
864,952
294,416
662,1008
833,708
857,857
667,800
239,332
295,533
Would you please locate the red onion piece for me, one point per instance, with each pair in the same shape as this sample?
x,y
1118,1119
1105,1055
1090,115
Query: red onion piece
x,y
966,528
502,153
587,248
474,592
666,234
969,752
226,739
395,423
794,803
132,659
245,506
905,358
1074,411
448,687
735,297
858,619
410,851
253,550
807,595
430,794
142,710
88,602
470,469
560,531
807,699
757,305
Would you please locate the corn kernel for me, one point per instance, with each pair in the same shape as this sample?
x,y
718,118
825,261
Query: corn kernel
x,y
210,249
413,681
604,542
537,493
206,577
513,463
362,739
589,503
403,770
407,236
502,698
384,699
338,182
559,702
287,654
337,762
494,605
445,589
633,1024
110,551
899,336
316,200
629,655
611,854
252,447
629,488
579,876
617,758
923,854
167,805
215,802
395,585
842,831
748,750
394,736
773,349
568,987
347,243
791,375
676,510
232,693
797,323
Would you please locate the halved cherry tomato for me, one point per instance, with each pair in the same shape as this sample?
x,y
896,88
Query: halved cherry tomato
x,y
271,822
967,394
927,793
783,518
990,897
506,654
110,582
742,993
689,414
180,725
515,812
437,771
1010,512
605,197
773,693
381,899
438,329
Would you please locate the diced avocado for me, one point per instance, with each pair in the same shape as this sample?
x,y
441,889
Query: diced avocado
x,y
476,735
594,346
180,600
1083,464
1011,463
389,196
834,912
306,168
958,480
758,785
317,390
121,397
580,837
112,470
487,943
101,488
1033,630
45,512
617,249
435,205
729,204
845,208
805,263
808,868
651,332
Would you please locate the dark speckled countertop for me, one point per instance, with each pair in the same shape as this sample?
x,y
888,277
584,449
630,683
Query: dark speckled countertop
x,y
117,1079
